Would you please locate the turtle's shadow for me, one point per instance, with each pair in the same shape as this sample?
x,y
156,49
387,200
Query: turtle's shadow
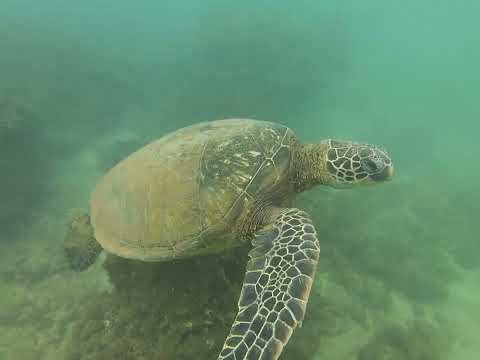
x,y
177,310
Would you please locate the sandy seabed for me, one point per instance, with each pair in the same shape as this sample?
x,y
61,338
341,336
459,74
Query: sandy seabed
x,y
391,285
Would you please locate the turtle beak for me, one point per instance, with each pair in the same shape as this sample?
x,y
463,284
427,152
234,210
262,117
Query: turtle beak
x,y
386,175
391,172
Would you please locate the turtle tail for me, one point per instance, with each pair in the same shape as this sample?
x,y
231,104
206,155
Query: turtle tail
x,y
81,247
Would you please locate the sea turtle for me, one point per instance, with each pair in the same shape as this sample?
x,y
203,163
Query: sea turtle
x,y
214,185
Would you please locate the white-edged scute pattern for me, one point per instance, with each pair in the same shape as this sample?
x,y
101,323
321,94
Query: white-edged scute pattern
x,y
275,292
236,167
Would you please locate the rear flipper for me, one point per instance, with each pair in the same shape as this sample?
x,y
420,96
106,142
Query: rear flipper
x,y
80,245
275,291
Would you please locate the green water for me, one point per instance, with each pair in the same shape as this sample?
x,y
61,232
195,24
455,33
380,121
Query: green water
x,y
83,85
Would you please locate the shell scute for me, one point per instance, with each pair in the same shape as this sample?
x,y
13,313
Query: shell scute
x,y
166,199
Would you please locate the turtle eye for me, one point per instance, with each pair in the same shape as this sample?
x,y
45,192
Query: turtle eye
x,y
370,166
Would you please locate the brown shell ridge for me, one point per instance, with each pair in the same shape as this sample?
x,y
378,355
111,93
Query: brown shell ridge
x,y
260,167
184,194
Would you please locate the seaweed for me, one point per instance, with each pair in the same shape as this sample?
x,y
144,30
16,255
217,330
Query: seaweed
x,y
23,159
176,310
417,340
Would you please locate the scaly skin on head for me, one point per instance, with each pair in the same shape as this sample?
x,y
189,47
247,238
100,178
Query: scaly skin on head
x,y
339,164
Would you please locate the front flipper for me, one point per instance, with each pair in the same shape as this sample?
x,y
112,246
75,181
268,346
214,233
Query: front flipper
x,y
275,289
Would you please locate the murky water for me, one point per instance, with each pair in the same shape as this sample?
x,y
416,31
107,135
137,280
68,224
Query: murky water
x,y
84,85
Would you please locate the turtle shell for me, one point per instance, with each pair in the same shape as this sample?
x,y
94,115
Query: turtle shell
x,y
183,194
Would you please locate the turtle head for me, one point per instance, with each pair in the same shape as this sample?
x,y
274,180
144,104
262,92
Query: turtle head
x,y
348,163
340,164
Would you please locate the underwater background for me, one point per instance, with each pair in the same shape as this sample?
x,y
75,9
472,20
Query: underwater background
x,y
82,85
